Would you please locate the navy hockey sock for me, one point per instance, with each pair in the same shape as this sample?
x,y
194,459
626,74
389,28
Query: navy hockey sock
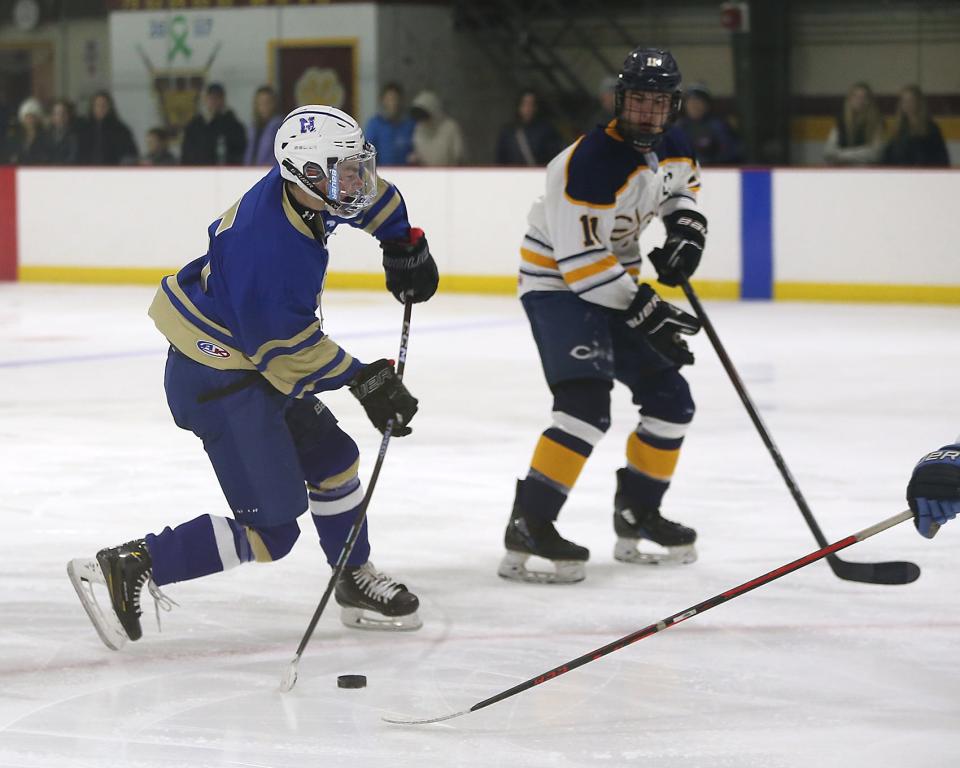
x,y
210,544
334,512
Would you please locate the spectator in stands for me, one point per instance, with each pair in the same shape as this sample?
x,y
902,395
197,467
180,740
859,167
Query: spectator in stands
x,y
711,137
607,99
917,140
214,136
530,139
437,138
263,127
158,148
105,139
31,147
857,136
64,138
390,131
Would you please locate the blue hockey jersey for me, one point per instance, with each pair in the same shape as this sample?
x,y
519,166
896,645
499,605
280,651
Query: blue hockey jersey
x,y
250,303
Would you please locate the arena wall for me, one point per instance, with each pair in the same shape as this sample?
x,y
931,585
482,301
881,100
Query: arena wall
x,y
858,235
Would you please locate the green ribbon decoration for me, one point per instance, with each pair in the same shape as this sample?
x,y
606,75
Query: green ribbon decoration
x,y
179,29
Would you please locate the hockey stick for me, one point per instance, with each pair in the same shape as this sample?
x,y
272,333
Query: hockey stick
x,y
668,622
899,572
290,678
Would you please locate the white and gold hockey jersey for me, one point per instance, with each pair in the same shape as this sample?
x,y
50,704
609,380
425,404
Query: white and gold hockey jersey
x,y
601,194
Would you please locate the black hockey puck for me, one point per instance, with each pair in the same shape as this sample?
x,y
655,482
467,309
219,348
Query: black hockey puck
x,y
352,681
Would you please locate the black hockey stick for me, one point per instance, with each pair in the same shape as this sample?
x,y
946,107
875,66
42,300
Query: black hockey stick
x,y
898,572
668,622
290,678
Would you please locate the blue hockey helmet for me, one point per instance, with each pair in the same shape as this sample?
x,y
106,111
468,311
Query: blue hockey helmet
x,y
648,69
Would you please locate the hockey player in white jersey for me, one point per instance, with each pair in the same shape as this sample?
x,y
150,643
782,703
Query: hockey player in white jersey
x,y
594,323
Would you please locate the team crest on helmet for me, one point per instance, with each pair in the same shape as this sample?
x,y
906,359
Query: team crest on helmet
x,y
308,124
211,349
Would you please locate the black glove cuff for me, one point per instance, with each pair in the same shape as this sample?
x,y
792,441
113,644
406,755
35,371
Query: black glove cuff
x,y
686,225
405,256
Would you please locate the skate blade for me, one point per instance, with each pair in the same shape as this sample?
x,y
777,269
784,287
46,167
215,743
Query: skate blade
x,y
514,567
84,573
626,552
358,618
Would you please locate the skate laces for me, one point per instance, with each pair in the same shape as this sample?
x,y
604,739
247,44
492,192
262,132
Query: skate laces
x,y
377,585
160,600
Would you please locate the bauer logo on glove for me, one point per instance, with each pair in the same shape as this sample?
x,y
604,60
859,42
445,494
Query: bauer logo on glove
x,y
384,397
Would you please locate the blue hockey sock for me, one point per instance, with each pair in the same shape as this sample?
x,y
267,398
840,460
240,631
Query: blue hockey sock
x,y
197,548
334,512
210,544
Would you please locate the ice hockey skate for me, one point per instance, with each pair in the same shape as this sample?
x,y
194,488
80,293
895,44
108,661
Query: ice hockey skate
x,y
369,599
527,536
123,572
633,523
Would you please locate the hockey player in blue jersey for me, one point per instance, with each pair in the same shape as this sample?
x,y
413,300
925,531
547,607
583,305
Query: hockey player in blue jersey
x,y
934,489
247,356
594,323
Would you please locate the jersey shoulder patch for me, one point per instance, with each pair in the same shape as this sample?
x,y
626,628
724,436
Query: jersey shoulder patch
x,y
675,144
598,168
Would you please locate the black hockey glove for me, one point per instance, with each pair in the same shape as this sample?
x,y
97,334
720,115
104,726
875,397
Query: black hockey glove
x,y
680,255
384,397
661,323
410,269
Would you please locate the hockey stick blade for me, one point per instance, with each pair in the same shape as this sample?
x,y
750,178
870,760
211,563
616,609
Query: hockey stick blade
x,y
867,573
895,572
290,678
428,721
669,621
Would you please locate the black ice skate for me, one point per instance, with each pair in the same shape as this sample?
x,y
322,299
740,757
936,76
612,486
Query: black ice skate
x,y
370,599
632,522
528,536
124,571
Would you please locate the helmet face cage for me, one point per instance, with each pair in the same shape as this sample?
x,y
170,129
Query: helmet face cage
x,y
347,185
651,70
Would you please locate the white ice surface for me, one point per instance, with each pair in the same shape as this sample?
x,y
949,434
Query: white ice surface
x,y
807,670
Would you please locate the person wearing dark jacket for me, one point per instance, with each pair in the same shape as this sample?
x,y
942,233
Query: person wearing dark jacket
x,y
106,140
856,138
214,137
158,148
530,139
64,137
711,137
918,140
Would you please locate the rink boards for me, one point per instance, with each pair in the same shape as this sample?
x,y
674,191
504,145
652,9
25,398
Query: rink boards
x,y
812,234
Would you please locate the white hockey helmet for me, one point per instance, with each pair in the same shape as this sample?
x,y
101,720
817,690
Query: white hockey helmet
x,y
322,150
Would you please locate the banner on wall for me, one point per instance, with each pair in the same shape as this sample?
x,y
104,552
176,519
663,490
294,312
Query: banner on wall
x,y
316,72
162,60
181,77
